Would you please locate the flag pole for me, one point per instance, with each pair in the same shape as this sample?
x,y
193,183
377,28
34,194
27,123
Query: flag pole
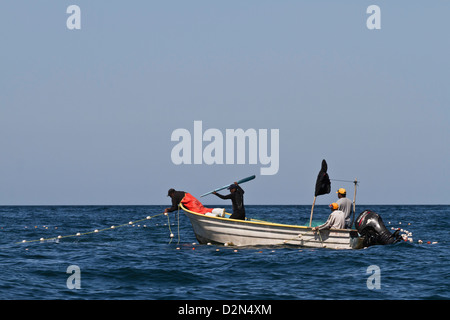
x,y
354,201
312,209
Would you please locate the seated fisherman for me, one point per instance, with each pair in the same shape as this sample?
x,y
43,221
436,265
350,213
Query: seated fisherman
x,y
336,220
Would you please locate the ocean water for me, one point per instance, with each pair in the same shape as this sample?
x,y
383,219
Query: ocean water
x,y
141,260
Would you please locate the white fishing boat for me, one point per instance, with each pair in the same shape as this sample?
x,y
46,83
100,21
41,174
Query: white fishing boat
x,y
225,231
370,229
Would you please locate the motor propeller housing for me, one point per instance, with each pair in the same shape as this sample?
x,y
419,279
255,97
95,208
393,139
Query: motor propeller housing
x,y
371,227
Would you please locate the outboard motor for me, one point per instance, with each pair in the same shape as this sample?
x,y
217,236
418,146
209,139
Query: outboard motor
x,y
370,226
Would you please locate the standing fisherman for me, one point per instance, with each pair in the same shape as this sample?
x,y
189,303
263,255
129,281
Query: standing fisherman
x,y
237,199
345,205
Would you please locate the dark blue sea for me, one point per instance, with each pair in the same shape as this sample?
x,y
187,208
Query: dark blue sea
x,y
141,261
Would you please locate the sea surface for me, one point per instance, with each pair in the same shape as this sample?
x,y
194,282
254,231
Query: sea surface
x,y
140,260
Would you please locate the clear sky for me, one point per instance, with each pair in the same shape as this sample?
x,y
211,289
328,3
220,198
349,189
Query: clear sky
x,y
86,116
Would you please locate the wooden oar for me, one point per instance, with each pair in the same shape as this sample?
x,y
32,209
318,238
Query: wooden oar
x,y
224,187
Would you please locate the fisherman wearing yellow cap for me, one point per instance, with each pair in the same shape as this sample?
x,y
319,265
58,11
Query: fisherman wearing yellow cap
x,y
345,205
336,220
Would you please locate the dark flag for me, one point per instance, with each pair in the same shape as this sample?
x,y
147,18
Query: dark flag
x,y
323,184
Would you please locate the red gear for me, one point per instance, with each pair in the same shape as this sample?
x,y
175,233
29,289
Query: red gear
x,y
191,203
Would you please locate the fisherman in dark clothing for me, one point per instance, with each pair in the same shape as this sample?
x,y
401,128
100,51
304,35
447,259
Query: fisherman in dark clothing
x,y
189,202
237,199
176,196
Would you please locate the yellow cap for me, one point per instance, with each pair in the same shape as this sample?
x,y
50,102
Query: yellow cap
x,y
334,206
342,191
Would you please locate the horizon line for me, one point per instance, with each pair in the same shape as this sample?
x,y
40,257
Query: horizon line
x,y
213,205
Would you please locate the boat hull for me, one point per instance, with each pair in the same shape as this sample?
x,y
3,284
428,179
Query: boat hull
x,y
210,229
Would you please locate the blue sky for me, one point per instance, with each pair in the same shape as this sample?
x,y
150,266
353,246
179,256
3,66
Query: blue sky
x,y
86,116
